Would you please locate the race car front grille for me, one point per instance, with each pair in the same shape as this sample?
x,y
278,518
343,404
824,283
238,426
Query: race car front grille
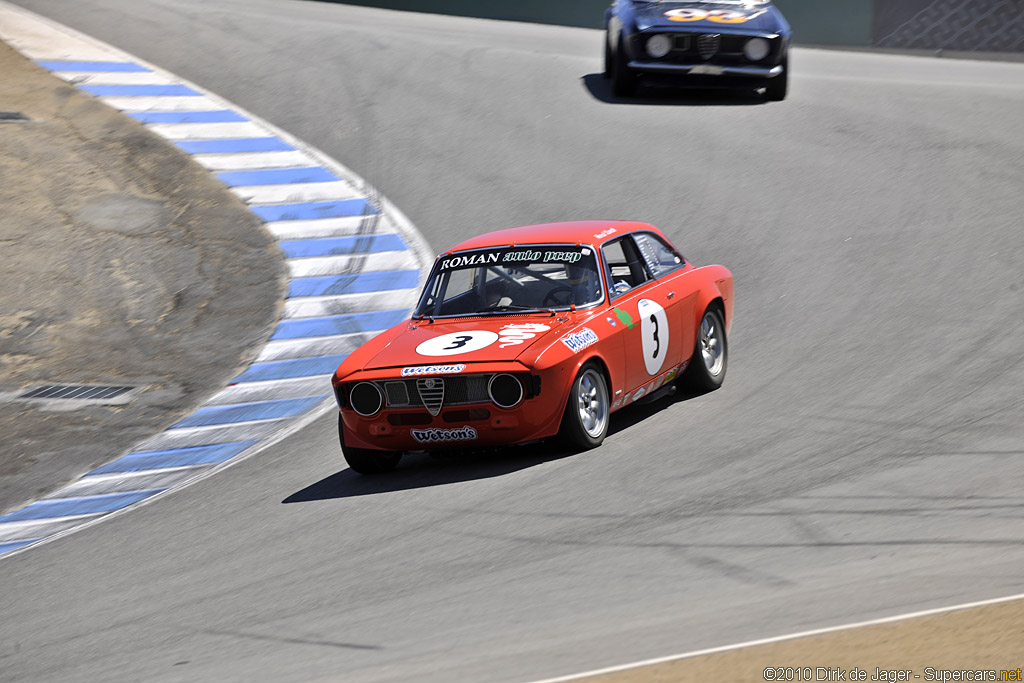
x,y
431,393
729,52
708,44
397,393
445,391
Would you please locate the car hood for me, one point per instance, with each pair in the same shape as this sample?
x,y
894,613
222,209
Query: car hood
x,y
461,341
686,16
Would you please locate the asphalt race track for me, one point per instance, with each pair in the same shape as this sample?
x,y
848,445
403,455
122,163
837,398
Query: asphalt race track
x,y
862,459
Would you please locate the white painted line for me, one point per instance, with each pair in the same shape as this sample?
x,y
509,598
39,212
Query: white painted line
x,y
125,482
212,434
781,639
208,131
320,266
319,227
113,78
248,161
251,392
324,306
292,349
130,104
296,193
37,528
272,439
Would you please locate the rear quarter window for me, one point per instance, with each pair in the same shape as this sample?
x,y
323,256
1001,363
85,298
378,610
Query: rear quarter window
x,y
659,257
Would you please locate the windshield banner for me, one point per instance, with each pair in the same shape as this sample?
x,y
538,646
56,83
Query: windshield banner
x,y
514,257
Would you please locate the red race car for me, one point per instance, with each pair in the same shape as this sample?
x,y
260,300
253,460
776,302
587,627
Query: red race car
x,y
532,332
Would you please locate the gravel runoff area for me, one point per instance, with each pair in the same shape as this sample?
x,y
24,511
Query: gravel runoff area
x,y
953,646
124,263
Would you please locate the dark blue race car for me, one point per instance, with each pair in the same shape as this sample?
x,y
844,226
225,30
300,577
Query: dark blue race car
x,y
728,43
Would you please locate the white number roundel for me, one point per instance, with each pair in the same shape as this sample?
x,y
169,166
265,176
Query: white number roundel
x,y
456,343
654,333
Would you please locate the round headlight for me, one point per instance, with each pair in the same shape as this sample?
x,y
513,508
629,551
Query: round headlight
x,y
505,390
659,45
757,49
366,399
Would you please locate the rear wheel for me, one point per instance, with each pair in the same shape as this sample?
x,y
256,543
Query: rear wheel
x,y
623,80
585,422
710,360
776,88
365,460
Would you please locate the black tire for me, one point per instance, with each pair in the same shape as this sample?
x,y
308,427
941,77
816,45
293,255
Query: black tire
x,y
365,460
623,80
608,57
710,359
776,88
587,412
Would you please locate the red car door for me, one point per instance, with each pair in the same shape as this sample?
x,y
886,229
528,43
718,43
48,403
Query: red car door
x,y
668,266
644,307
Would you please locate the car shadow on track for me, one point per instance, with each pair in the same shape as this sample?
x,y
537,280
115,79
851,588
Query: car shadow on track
x,y
419,470
656,96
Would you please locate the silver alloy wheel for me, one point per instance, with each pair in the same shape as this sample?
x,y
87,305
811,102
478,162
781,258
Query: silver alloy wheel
x,y
711,346
592,402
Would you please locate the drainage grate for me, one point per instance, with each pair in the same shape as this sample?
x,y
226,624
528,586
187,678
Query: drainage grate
x,y
77,392
13,117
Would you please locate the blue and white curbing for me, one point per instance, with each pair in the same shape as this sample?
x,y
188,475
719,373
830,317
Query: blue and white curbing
x,y
354,264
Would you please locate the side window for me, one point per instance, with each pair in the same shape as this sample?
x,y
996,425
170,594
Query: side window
x,y
624,266
658,256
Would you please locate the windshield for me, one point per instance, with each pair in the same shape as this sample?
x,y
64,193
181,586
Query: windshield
x,y
730,3
512,280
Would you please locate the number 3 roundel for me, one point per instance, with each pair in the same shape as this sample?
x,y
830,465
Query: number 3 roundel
x,y
654,333
456,343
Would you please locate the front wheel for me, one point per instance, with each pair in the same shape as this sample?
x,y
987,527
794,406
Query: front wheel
x,y
585,422
623,80
365,460
776,89
710,360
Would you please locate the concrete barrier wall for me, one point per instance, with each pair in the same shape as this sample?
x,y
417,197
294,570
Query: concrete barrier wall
x,y
966,25
585,13
822,22
829,22
970,25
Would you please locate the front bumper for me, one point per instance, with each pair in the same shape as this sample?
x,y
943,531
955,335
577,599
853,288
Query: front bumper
x,y
465,424
752,72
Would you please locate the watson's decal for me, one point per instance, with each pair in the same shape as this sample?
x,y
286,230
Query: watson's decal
x,y
466,433
432,370
577,341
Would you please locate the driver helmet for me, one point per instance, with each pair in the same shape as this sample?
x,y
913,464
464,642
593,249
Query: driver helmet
x,y
577,275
